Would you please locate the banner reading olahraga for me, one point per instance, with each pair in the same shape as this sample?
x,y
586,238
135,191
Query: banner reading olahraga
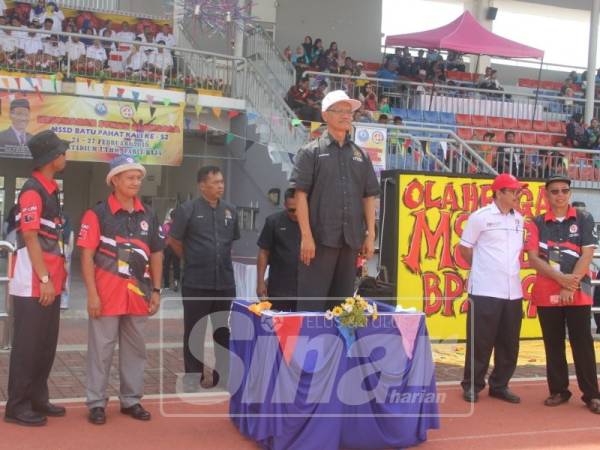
x,y
432,275
98,129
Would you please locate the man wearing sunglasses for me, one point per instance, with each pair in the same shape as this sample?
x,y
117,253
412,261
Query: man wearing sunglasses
x,y
560,247
336,188
491,243
279,248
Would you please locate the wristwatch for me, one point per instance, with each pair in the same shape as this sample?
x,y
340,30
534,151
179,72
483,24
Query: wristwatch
x,y
157,290
44,279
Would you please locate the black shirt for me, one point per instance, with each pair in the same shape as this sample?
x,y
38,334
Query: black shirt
x,y
336,179
207,235
281,237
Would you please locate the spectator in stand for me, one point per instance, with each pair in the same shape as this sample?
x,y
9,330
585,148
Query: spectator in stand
x,y
148,37
433,55
2,8
438,72
166,36
126,34
108,26
576,136
420,61
348,65
160,62
388,72
488,151
369,98
348,83
551,163
360,115
592,135
37,11
301,62
455,62
76,53
574,77
9,50
137,60
52,12
510,158
568,92
333,49
383,119
33,49
331,62
384,105
108,46
95,56
316,52
359,70
88,42
316,95
54,53
307,47
299,101
287,53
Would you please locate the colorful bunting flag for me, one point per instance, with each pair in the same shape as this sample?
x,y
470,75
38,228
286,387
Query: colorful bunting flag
x,y
229,138
89,82
152,111
198,109
233,114
6,83
314,126
106,89
150,99
39,94
135,95
30,82
166,101
53,79
296,122
120,92
202,128
217,112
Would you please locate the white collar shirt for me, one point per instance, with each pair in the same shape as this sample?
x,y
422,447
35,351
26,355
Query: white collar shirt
x,y
168,39
162,60
75,50
33,45
97,53
137,61
56,51
497,243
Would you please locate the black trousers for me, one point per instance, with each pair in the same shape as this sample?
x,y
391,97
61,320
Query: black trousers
x,y
32,355
329,278
496,325
577,318
197,305
171,259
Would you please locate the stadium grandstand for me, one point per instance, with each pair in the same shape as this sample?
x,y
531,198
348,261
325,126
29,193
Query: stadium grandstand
x,y
192,89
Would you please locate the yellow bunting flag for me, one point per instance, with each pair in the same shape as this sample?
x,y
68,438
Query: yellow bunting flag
x,y
198,109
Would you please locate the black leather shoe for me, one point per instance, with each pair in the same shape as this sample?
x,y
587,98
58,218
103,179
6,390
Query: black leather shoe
x,y
470,396
506,395
51,410
137,412
27,419
557,399
97,416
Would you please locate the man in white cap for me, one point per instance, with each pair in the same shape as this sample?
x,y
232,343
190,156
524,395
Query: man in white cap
x,y
336,188
121,260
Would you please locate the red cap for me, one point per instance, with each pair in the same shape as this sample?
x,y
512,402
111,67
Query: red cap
x,y
507,181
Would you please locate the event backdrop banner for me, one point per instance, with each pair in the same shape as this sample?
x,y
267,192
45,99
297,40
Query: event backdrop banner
x,y
373,141
432,276
97,128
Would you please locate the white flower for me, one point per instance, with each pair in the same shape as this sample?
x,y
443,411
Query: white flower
x,y
347,307
370,309
328,315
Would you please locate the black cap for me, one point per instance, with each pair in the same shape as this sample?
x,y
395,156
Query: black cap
x,y
555,178
19,103
45,147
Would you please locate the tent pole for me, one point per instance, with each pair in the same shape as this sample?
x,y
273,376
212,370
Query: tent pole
x,y
537,91
477,64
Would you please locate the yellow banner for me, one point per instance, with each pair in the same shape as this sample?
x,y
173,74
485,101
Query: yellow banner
x,y
432,276
98,129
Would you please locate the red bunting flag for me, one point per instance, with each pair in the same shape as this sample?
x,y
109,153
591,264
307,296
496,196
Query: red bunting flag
x,y
202,128
120,92
18,81
233,114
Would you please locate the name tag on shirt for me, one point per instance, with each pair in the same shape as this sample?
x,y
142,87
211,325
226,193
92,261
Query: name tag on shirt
x,y
322,155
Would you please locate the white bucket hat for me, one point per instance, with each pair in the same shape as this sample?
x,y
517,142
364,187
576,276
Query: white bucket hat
x,y
123,163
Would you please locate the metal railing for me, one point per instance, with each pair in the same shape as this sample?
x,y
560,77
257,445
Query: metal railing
x,y
6,316
128,61
430,149
273,111
259,47
512,102
109,6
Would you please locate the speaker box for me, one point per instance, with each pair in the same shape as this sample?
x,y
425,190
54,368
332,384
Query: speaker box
x,y
491,13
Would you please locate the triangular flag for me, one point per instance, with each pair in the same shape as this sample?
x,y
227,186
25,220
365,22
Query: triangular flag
x,y
167,101
287,329
53,79
18,81
233,114
136,103
152,111
135,95
217,112
150,99
89,82
296,122
198,109
120,92
6,83
106,89
30,81
229,138
251,117
248,144
314,126
37,89
408,326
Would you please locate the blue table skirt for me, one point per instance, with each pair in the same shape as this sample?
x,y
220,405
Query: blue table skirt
x,y
321,394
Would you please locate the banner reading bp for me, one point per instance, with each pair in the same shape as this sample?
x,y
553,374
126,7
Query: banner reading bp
x,y
432,275
98,129
373,141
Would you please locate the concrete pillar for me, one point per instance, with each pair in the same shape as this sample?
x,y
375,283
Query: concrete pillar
x,y
591,69
238,43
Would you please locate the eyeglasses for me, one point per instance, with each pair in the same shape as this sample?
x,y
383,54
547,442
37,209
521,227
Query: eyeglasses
x,y
559,191
339,111
291,210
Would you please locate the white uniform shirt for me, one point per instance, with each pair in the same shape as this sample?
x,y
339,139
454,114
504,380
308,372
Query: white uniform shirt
x,y
497,242
56,51
137,61
97,53
32,45
75,50
168,39
161,60
9,43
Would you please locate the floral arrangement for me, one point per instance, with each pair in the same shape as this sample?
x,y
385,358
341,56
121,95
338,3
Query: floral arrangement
x,y
353,312
259,307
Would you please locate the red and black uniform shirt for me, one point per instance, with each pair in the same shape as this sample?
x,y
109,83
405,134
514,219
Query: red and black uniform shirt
x,y
123,243
39,210
561,245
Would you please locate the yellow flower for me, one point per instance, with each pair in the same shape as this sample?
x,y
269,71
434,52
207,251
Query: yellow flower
x,y
350,301
363,303
375,316
337,311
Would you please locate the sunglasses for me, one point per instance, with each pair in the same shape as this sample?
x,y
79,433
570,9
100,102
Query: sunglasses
x,y
559,191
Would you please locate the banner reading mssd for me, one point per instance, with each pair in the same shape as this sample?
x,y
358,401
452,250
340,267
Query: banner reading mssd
x,y
432,275
98,129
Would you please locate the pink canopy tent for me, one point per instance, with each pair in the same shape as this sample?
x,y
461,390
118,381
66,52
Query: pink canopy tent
x,y
465,35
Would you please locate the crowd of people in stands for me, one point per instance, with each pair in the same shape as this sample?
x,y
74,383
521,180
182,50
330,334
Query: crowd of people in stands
x,y
95,56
